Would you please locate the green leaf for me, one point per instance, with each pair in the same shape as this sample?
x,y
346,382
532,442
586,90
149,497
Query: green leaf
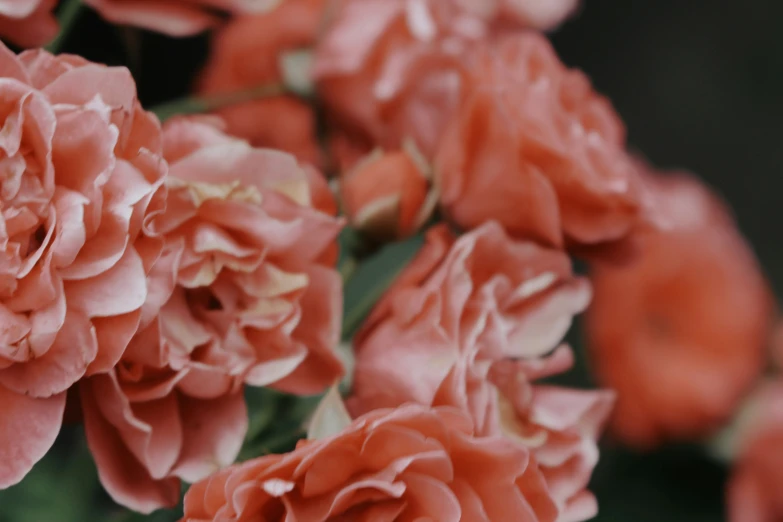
x,y
372,278
282,428
262,408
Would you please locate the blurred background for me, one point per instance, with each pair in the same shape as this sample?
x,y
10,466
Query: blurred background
x,y
700,86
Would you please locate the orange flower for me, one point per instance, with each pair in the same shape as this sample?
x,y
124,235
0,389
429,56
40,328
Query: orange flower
x,y
174,17
412,463
248,300
466,325
247,53
754,489
28,23
82,181
386,194
535,148
680,332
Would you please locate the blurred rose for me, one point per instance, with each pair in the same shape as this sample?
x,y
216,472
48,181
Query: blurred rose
x,y
386,194
82,179
535,148
247,53
412,463
449,330
174,17
389,70
28,23
393,69
680,333
252,303
754,489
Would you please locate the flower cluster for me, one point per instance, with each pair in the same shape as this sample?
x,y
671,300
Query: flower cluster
x,y
157,271
150,273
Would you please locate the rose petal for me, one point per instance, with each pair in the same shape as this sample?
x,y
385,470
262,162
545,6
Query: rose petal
x,y
119,290
330,417
27,432
213,444
319,330
66,361
114,85
113,334
123,477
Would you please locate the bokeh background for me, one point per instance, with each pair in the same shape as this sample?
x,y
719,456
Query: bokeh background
x,y
700,86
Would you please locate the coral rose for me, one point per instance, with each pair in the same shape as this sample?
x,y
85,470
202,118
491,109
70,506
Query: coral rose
x,y
387,194
535,148
389,70
82,180
412,463
174,17
28,23
248,52
754,489
249,299
466,325
680,332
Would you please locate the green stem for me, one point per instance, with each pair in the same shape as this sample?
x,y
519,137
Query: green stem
x,y
67,16
196,105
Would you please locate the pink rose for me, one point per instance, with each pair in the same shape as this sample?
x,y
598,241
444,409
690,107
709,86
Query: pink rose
x,y
83,177
467,325
28,23
174,17
249,299
535,148
412,463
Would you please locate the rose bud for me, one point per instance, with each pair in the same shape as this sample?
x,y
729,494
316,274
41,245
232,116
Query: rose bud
x,y
388,194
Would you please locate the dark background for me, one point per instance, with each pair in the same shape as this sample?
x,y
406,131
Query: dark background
x,y
700,86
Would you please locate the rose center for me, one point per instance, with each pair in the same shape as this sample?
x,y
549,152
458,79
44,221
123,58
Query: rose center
x,y
202,299
36,240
